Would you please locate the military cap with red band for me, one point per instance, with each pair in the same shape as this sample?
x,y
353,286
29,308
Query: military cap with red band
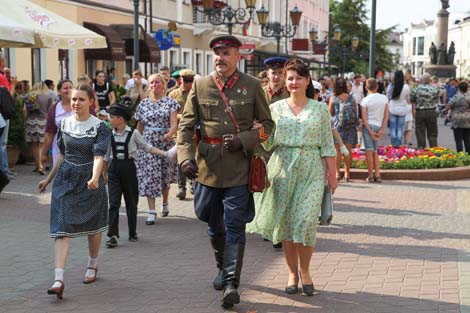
x,y
224,41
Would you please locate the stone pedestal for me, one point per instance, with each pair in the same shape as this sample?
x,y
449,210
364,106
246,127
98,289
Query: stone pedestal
x,y
441,71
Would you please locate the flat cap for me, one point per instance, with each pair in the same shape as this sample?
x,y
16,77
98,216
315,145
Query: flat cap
x,y
224,41
119,109
185,73
275,62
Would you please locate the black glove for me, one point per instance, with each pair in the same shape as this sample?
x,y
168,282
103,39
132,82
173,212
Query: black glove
x,y
232,142
190,169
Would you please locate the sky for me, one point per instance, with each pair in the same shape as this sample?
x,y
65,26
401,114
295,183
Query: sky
x,y
404,12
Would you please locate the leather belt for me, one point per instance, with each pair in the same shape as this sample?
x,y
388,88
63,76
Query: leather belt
x,y
212,140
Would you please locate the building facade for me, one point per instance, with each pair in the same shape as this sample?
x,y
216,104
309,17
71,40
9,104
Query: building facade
x,y
114,20
418,38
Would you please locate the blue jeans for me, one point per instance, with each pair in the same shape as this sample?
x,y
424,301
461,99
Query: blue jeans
x,y
225,210
3,149
396,123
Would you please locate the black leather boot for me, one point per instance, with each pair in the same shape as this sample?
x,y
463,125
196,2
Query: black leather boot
x,y
218,244
233,262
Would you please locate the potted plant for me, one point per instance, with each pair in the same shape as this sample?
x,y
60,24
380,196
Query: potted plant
x,y
16,134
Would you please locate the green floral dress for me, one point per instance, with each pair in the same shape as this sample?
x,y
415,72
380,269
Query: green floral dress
x,y
288,210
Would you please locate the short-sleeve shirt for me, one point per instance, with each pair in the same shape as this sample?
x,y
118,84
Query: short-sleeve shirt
x,y
375,104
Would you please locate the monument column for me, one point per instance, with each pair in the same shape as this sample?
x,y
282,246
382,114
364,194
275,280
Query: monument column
x,y
441,59
442,27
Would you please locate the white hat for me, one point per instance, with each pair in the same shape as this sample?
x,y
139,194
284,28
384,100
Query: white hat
x,y
316,85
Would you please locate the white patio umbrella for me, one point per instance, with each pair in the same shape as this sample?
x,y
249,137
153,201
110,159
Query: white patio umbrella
x,y
25,24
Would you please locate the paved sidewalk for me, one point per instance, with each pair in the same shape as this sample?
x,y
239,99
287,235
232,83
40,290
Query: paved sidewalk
x,y
393,247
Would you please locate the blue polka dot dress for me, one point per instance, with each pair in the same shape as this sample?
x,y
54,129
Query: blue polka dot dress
x,y
76,210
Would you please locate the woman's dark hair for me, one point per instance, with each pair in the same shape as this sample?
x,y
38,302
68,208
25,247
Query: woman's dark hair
x,y
303,71
398,82
97,72
61,82
87,89
463,87
340,86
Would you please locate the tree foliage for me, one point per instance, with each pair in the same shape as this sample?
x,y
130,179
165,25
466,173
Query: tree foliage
x,y
351,17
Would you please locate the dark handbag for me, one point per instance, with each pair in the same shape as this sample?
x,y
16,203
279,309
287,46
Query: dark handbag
x,y
258,178
326,211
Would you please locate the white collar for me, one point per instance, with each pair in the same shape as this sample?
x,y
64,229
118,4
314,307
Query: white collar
x,y
80,129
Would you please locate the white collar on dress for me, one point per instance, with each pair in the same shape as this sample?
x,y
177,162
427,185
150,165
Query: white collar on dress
x,y
80,129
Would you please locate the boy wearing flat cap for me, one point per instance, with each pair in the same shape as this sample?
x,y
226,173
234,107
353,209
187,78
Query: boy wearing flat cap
x,y
225,104
122,175
275,90
180,94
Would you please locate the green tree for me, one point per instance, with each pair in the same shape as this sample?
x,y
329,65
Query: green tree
x,y
351,17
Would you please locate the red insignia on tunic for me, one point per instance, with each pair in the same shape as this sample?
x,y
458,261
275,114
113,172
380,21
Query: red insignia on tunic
x,y
262,135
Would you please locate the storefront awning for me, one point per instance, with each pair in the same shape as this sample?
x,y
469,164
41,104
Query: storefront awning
x,y
116,48
148,48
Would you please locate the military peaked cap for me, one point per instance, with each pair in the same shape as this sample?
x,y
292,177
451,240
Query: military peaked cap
x,y
224,41
275,62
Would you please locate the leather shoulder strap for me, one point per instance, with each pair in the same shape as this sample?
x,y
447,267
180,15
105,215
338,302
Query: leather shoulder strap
x,y
227,106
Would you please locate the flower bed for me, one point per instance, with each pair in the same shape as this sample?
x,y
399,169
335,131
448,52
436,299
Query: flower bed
x,y
408,158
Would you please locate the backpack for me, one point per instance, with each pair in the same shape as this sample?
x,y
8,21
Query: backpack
x,y
7,104
347,115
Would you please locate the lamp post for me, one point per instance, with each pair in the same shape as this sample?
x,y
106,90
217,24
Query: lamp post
x,y
275,29
218,13
136,34
332,47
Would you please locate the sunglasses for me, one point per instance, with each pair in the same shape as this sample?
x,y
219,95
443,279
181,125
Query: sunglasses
x,y
188,79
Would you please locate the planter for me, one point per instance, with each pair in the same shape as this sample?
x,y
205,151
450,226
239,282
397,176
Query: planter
x,y
13,155
452,173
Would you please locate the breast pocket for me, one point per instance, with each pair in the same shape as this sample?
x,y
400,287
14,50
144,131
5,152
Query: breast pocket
x,y
242,108
209,108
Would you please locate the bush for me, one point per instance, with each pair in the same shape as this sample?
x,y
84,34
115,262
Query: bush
x,y
16,133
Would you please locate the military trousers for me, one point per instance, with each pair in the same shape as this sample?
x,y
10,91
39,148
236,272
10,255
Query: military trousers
x,y
426,126
225,210
181,180
122,180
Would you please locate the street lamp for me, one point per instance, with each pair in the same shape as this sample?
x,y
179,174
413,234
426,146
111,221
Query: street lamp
x,y
331,46
219,13
275,29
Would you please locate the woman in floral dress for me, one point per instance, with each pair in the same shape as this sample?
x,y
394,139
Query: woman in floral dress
x,y
79,202
36,106
302,150
156,119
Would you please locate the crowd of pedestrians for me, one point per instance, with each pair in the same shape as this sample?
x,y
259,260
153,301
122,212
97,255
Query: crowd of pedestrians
x,y
177,127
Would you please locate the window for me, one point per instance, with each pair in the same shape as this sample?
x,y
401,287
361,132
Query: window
x,y
173,58
198,66
63,64
187,61
420,45
6,55
36,65
414,45
209,65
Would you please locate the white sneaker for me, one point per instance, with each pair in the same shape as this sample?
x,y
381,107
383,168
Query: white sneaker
x,y
165,210
151,218
344,150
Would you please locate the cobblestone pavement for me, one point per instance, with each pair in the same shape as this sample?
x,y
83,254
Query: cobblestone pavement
x,y
399,246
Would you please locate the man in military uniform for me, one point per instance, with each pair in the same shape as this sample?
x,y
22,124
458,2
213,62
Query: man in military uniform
x,y
275,90
175,76
180,94
222,159
425,99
